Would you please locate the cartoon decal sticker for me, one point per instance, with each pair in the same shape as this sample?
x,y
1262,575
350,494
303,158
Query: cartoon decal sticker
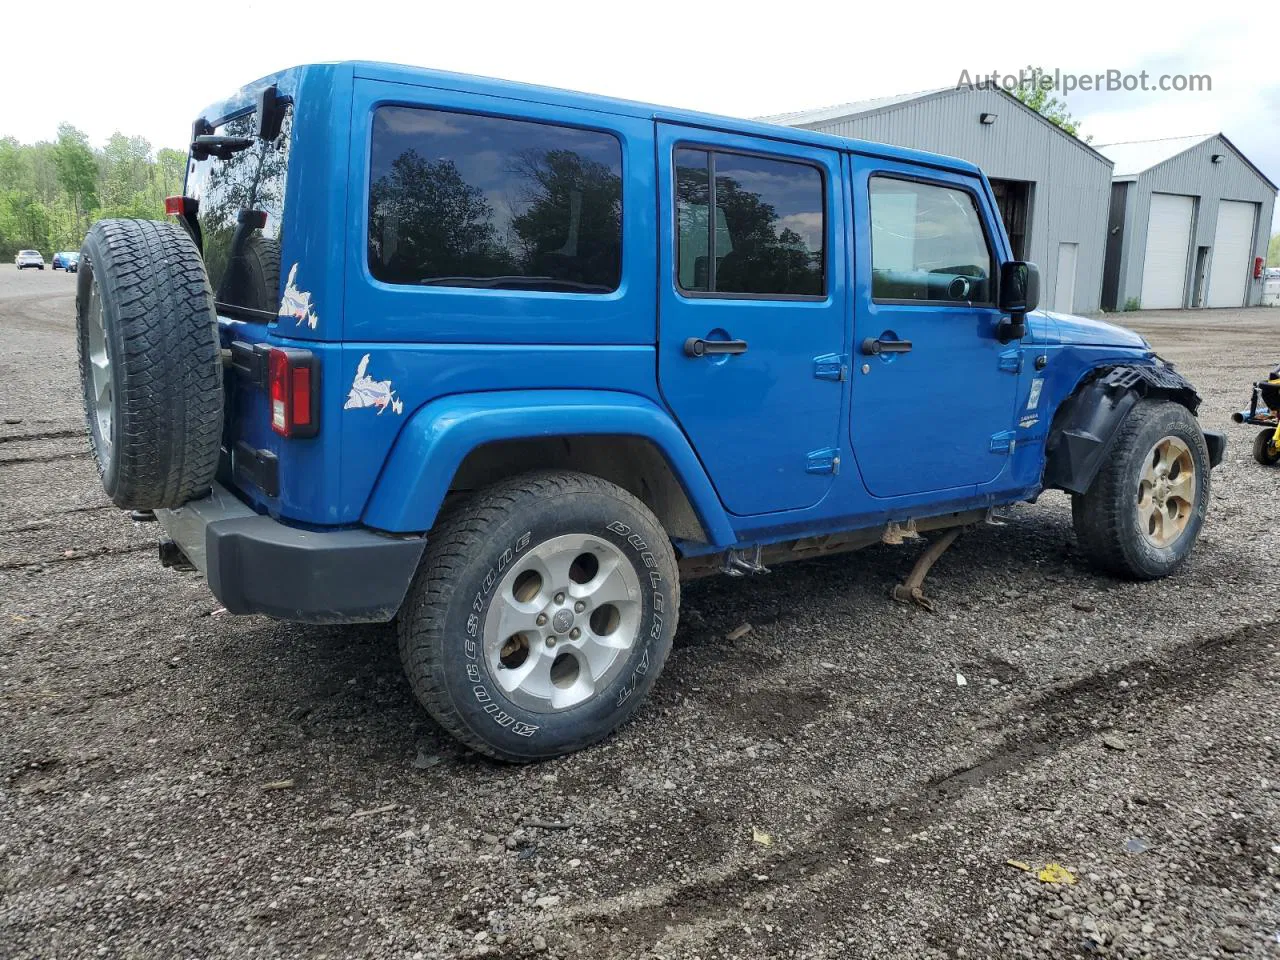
x,y
297,303
367,392
1033,400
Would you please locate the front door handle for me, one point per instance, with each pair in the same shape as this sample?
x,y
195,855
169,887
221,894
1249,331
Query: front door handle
x,y
697,347
874,346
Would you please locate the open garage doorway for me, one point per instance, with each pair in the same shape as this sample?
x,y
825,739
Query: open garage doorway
x,y
1013,197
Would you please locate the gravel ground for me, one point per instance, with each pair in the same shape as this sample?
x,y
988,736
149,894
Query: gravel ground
x,y
178,783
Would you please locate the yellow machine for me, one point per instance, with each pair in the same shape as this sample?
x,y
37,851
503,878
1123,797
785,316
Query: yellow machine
x,y
1264,411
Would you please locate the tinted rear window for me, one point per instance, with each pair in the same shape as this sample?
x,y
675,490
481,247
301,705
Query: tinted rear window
x,y
241,214
466,200
770,226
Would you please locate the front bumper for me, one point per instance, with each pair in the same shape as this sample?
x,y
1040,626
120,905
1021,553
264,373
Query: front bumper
x,y
255,564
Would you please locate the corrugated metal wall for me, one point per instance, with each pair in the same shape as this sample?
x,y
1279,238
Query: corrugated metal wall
x,y
1072,183
1194,174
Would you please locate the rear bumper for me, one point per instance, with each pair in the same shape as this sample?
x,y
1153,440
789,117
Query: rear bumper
x,y
255,564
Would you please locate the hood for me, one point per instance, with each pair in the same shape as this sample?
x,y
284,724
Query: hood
x,y
1082,331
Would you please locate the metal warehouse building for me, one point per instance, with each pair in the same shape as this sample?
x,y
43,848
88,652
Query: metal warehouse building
x,y
1188,216
1052,188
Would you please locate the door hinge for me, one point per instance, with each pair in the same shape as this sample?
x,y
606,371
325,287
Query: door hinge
x,y
831,366
1004,441
1011,361
824,461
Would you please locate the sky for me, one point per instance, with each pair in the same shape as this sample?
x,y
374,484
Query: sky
x,y
740,59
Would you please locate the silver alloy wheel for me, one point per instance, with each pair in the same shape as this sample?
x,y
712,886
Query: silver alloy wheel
x,y
102,401
561,622
1166,491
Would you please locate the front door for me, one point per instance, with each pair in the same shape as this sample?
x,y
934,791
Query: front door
x,y
933,387
753,312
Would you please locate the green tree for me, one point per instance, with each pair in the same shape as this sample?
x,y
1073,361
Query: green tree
x,y
24,219
170,172
77,171
125,177
1053,109
1273,251
51,191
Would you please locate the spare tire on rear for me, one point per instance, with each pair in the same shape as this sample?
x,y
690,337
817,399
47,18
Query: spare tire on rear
x,y
150,363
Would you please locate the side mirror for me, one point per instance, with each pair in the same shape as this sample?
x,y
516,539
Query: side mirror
x,y
271,111
1019,295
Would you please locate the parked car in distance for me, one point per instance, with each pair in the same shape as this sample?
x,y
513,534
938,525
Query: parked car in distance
x,y
64,259
506,364
29,258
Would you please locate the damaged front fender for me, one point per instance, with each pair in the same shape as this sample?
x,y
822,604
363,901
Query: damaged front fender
x,y
1086,423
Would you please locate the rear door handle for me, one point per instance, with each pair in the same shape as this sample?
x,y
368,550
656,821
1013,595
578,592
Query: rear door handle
x,y
697,347
874,346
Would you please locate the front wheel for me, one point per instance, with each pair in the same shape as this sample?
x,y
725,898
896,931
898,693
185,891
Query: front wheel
x,y
541,616
1265,450
1143,512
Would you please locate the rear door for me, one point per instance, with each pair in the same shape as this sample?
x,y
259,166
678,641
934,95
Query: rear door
x,y
753,312
934,389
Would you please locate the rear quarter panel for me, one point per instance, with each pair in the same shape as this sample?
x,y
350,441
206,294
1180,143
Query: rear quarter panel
x,y
423,343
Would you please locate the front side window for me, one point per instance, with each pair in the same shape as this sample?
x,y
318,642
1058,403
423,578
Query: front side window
x,y
927,243
749,225
466,200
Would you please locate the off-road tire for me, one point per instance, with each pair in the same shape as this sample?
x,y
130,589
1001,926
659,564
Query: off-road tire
x,y
1106,518
1263,451
441,626
161,338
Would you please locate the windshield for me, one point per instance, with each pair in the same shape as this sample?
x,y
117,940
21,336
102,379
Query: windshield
x,y
240,212
28,253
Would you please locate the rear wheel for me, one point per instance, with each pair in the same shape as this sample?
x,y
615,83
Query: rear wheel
x,y
1264,449
150,363
1143,512
541,616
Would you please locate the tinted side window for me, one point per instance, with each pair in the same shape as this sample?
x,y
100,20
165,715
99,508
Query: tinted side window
x,y
466,200
927,244
769,235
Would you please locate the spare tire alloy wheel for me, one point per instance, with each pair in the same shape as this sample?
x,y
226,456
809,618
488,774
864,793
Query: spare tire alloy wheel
x,y
541,616
150,363
100,398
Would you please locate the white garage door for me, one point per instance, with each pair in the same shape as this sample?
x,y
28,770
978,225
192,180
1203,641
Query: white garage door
x,y
1232,248
1164,269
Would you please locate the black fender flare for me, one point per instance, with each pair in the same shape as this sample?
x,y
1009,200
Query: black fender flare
x,y
1085,424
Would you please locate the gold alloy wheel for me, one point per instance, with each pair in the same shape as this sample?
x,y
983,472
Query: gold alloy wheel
x,y
1166,491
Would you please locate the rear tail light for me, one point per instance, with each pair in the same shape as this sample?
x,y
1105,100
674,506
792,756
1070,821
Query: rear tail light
x,y
180,206
293,379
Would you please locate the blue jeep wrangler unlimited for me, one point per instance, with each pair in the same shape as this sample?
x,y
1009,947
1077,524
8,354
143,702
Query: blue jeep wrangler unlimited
x,y
503,363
